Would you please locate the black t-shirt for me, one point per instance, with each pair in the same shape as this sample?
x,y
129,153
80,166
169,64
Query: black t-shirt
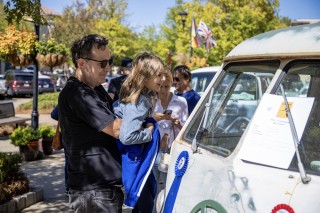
x,y
115,86
94,160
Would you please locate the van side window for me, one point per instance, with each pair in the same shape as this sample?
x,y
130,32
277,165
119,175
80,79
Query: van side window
x,y
219,124
303,80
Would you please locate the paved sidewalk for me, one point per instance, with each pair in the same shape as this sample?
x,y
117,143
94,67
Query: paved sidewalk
x,y
46,174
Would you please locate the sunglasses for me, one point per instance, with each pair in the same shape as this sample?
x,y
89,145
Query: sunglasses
x,y
103,63
176,79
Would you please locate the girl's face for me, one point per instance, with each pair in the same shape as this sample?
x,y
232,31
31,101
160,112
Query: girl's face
x,y
153,84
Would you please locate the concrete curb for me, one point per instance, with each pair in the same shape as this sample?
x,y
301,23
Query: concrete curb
x,y
22,201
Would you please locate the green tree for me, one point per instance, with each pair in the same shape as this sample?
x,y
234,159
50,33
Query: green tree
x,y
3,21
230,22
104,17
17,10
152,39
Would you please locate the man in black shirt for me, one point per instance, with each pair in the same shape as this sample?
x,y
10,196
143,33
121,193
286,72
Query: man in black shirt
x,y
87,125
116,83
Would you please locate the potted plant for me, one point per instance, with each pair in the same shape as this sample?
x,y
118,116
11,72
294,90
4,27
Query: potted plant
x,y
28,141
47,132
50,52
17,47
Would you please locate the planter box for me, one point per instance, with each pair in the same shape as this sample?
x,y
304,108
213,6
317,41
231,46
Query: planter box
x,y
19,59
22,201
51,59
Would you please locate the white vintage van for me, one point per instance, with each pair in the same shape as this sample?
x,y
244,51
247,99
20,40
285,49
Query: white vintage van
x,y
252,144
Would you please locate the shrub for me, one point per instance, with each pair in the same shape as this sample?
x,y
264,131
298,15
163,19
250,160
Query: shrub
x,y
12,181
16,41
22,135
9,164
47,131
45,46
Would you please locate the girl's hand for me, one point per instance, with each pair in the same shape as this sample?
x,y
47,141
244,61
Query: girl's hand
x,y
150,127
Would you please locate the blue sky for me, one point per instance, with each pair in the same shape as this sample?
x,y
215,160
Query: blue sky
x,y
148,12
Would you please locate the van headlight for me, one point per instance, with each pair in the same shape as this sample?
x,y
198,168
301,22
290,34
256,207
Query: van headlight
x,y
160,201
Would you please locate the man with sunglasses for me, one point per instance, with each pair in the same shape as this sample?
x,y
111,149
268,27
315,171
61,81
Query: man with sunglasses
x,y
181,80
116,83
87,126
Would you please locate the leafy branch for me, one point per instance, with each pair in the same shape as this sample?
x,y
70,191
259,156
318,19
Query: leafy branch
x,y
16,10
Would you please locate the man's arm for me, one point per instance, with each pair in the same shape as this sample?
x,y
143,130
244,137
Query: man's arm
x,y
113,129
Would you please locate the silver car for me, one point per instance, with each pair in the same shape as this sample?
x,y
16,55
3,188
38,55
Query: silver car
x,y
3,87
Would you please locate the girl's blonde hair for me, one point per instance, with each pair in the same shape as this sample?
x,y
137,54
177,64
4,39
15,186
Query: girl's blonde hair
x,y
145,65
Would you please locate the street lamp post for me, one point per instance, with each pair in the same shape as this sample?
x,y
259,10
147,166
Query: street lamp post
x,y
35,114
183,14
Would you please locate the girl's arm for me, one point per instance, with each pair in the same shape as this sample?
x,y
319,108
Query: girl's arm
x,y
132,131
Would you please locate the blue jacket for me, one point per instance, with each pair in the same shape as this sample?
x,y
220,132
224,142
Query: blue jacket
x,y
137,163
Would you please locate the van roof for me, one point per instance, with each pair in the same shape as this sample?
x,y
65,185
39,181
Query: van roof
x,y
43,76
206,69
301,40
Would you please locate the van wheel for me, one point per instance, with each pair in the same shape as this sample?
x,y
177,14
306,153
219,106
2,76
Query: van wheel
x,y
208,204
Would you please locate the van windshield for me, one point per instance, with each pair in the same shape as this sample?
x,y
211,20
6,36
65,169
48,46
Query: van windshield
x,y
302,79
231,103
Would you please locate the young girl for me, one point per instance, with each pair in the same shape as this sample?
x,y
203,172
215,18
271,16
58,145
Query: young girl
x,y
138,128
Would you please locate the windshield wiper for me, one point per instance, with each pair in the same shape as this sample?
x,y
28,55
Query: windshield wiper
x,y
305,179
202,123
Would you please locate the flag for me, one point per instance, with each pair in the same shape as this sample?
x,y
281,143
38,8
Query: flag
x,y
205,33
195,40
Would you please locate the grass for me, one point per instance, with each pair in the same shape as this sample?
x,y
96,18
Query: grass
x,y
46,103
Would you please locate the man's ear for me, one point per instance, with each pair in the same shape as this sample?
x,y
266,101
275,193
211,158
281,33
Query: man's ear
x,y
81,63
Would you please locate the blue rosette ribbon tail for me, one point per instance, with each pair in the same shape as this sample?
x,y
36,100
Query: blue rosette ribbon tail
x,y
179,170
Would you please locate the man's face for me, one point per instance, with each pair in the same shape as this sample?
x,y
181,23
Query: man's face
x,y
180,82
126,71
96,68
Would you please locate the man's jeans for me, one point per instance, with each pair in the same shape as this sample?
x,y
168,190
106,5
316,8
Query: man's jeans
x,y
98,200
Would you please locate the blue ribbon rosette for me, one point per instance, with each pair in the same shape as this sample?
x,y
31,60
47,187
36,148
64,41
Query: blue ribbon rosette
x,y
179,170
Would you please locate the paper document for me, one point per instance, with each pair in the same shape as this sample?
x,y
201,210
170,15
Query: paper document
x,y
269,139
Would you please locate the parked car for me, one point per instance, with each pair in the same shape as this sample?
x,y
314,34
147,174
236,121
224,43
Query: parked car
x,y
3,87
202,77
19,83
61,82
45,84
